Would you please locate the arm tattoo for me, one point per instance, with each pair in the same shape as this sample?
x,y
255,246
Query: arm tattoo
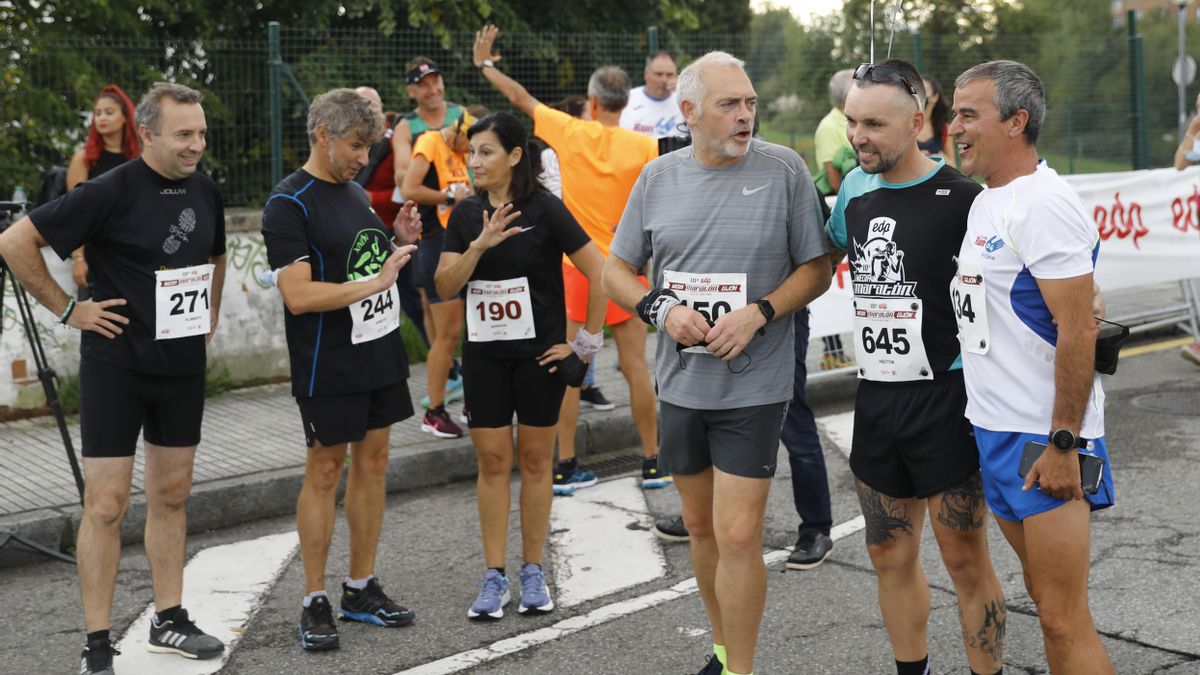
x,y
884,515
962,506
990,637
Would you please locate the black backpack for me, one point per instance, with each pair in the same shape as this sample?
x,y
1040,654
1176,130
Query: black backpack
x,y
54,184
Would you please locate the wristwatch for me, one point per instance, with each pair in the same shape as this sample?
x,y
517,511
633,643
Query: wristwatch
x,y
486,63
767,310
449,196
1065,441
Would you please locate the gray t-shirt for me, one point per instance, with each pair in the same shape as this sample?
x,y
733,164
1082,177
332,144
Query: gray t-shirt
x,y
759,217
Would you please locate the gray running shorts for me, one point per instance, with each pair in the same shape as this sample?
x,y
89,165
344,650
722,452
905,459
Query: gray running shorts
x,y
738,441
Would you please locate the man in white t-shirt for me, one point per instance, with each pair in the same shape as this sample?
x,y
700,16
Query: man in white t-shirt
x,y
653,109
1023,298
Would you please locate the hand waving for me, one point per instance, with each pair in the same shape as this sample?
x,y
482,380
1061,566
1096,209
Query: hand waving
x,y
485,39
494,226
407,225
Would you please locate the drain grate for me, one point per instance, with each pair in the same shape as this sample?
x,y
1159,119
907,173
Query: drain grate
x,y
614,465
1170,402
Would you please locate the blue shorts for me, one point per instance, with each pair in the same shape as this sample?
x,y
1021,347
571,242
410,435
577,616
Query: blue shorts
x,y
999,459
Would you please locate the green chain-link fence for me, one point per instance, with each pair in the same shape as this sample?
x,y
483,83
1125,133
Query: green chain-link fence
x,y
1091,124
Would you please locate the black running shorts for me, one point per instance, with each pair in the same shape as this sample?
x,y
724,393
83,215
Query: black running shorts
x,y
739,441
495,388
429,253
345,418
911,439
115,403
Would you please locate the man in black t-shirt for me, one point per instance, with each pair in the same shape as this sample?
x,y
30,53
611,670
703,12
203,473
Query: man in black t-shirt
x,y
902,216
338,269
155,236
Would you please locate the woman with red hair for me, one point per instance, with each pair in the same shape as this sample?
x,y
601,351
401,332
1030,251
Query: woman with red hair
x,y
111,141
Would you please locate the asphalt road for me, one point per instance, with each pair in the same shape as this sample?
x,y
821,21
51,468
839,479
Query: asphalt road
x,y
1144,592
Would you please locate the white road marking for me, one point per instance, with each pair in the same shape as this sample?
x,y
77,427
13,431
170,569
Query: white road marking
x,y
601,615
222,588
591,527
839,428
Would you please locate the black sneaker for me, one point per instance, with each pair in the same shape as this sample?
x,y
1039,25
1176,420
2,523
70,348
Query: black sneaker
x,y
372,605
181,636
98,659
812,548
713,667
653,476
318,632
671,529
592,397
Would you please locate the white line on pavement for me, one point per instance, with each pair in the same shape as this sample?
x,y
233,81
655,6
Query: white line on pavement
x,y
222,588
839,428
592,526
601,615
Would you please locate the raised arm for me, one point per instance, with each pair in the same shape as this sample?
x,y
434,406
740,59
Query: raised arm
x,y
516,94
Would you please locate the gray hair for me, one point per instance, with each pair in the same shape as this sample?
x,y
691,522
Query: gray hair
x,y
610,86
655,55
839,87
690,86
150,106
342,112
1017,87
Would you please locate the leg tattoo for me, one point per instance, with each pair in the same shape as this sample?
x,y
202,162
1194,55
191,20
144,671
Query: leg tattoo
x,y
989,639
962,506
883,515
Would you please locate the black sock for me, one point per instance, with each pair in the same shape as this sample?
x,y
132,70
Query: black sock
x,y
913,667
498,569
998,672
98,636
568,466
167,614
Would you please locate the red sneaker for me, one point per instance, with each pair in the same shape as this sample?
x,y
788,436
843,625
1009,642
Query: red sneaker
x,y
438,423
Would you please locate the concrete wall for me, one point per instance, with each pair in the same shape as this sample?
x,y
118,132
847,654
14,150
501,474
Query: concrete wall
x,y
249,343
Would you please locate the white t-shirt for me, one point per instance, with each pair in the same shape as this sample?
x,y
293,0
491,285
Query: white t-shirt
x,y
551,173
654,117
1032,228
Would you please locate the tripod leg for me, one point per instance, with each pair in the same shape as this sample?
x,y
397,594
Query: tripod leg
x,y
6,537
46,375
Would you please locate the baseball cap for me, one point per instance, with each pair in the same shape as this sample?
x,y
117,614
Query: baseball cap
x,y
414,76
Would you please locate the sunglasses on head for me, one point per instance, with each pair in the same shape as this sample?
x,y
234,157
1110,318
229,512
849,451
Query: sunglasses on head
x,y
886,75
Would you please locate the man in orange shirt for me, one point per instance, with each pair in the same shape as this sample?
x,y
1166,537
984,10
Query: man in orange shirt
x,y
599,162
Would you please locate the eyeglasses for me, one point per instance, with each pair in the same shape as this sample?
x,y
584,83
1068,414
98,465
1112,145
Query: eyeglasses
x,y
886,75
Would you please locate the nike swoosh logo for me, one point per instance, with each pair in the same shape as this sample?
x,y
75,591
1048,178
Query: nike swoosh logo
x,y
526,229
746,191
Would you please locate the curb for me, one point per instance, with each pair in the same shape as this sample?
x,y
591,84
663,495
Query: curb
x,y
231,501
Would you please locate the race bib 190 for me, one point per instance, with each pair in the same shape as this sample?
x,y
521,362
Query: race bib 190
x,y
183,302
499,310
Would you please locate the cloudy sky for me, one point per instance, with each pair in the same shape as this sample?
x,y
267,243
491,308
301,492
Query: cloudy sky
x,y
802,9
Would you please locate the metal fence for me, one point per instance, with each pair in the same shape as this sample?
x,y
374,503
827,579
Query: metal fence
x,y
1097,121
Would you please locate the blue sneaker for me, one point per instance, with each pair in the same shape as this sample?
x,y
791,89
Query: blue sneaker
x,y
565,484
654,477
535,596
493,596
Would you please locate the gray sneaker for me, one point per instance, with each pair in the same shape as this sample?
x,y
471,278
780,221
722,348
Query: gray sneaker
x,y
671,529
535,596
493,596
811,549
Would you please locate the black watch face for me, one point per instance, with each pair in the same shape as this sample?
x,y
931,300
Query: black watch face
x,y
1063,439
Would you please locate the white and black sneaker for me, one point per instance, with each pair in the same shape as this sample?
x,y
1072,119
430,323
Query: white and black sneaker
x,y
98,659
181,636
318,632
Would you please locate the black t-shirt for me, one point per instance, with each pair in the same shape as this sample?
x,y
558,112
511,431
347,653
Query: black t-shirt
x,y
105,163
134,222
549,232
332,226
430,225
930,219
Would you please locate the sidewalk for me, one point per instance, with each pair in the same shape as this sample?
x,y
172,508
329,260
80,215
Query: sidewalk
x,y
250,463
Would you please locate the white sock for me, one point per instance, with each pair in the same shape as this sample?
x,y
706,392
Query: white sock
x,y
359,584
313,596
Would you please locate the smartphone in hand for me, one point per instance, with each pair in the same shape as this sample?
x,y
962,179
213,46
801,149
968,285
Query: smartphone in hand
x,y
1091,467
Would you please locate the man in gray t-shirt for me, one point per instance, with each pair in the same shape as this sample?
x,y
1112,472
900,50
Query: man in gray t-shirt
x,y
734,227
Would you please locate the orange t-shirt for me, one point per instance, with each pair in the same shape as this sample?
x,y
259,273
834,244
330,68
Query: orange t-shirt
x,y
599,166
451,166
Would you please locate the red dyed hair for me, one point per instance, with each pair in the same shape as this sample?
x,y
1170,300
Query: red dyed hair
x,y
130,146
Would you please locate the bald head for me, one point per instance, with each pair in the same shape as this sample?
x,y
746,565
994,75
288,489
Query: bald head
x,y
371,95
